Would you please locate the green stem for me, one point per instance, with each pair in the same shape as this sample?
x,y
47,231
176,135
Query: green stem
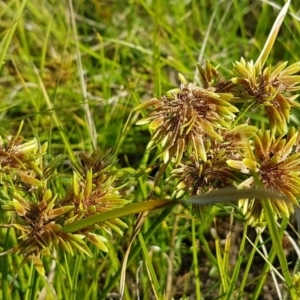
x,y
237,267
31,292
276,241
207,250
223,275
135,250
195,260
4,270
242,114
152,275
249,265
75,277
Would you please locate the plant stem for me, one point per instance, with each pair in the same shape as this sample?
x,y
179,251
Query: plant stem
x,y
195,260
135,250
250,263
31,292
75,277
237,266
276,240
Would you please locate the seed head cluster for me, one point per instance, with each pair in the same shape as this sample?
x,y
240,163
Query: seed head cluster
x,y
206,133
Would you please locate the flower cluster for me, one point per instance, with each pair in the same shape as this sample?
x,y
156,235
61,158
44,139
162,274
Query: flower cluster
x,y
40,215
269,89
196,176
212,145
94,190
185,118
273,162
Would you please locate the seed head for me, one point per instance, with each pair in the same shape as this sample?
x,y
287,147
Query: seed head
x,y
271,89
185,118
275,163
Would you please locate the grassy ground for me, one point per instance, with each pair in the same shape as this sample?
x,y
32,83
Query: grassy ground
x,y
74,71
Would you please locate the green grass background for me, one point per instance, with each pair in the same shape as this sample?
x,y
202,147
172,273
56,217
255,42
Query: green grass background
x,y
73,71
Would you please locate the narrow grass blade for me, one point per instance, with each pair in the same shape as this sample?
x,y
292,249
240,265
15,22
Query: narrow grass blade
x,y
276,240
237,268
4,280
33,281
137,227
268,265
265,258
150,270
195,260
10,33
136,249
232,195
272,36
204,44
55,116
223,276
219,196
88,114
250,263
118,213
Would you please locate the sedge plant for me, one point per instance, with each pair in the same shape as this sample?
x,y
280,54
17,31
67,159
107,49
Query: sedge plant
x,y
208,151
